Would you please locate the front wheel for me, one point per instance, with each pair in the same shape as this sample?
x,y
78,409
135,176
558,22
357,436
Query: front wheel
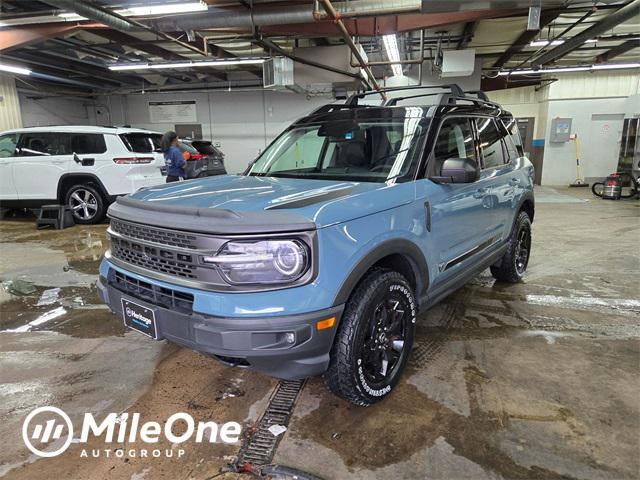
x,y
374,339
514,262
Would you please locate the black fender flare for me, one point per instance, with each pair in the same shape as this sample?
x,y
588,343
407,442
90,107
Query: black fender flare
x,y
399,246
528,197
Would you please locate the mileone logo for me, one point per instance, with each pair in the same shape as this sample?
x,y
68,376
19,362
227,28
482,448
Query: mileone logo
x,y
55,426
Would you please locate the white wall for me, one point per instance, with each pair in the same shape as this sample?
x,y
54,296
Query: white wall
x,y
9,105
38,111
596,102
243,122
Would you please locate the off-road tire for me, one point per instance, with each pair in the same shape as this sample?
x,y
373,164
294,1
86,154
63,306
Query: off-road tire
x,y
97,215
345,376
508,269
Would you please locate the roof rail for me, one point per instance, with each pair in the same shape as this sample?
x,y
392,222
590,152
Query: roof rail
x,y
455,90
480,95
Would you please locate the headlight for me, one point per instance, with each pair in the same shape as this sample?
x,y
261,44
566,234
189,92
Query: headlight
x,y
261,261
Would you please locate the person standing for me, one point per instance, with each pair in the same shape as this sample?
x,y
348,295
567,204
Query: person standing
x,y
173,158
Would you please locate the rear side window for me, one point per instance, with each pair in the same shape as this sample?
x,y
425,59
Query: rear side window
x,y
8,145
511,124
455,140
87,143
490,142
141,142
44,144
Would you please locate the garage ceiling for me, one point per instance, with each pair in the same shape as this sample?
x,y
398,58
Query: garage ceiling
x,y
69,46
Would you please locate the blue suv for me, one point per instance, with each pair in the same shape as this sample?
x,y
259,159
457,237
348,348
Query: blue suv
x,y
318,259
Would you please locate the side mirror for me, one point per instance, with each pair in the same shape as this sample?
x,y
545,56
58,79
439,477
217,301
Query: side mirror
x,y
458,170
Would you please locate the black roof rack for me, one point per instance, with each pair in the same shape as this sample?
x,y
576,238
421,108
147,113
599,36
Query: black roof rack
x,y
454,89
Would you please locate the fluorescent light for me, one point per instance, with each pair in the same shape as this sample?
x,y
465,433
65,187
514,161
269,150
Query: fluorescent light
x,y
11,69
616,66
205,63
133,66
71,17
585,68
183,7
545,43
393,54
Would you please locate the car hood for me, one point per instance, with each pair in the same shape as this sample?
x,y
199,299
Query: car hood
x,y
322,202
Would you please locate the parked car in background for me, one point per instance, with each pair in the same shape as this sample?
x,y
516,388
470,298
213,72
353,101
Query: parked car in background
x,y
203,159
319,258
85,167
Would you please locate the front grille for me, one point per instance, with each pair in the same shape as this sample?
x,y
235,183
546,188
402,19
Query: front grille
x,y
154,258
152,234
160,296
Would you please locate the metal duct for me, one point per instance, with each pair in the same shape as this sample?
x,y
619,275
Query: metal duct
x,y
88,11
625,13
438,6
287,15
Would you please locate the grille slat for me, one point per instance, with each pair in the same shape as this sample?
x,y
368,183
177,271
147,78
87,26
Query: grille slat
x,y
156,235
160,296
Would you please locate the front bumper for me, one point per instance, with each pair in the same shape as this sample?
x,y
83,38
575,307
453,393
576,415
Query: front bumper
x,y
256,343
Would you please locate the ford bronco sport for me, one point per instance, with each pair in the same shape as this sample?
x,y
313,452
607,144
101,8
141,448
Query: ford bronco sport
x,y
318,259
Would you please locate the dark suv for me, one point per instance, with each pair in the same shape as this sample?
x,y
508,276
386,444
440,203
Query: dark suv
x,y
319,258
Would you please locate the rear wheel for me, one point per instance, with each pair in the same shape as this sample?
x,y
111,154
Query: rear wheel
x,y
374,339
516,259
86,203
597,189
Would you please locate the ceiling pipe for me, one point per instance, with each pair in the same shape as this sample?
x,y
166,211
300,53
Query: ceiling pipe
x,y
115,20
261,16
620,16
331,11
617,51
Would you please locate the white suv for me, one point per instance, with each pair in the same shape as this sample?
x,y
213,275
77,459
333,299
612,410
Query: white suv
x,y
80,166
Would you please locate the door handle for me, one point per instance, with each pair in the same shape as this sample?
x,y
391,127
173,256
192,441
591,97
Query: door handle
x,y
481,192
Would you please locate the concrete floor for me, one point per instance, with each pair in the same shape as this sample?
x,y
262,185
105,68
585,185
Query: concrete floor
x,y
535,380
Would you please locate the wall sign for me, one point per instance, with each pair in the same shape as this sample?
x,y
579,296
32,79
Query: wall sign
x,y
173,112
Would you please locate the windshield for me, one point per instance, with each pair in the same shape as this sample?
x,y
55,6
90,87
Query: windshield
x,y
357,150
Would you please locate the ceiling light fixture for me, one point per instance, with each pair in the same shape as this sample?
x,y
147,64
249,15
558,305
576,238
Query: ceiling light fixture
x,y
585,68
184,7
12,69
545,43
204,63
393,54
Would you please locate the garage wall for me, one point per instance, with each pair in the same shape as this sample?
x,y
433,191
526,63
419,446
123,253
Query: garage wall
x,y
38,111
10,116
244,122
597,104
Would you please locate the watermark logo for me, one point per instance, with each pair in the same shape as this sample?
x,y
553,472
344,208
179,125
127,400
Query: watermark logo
x,y
52,429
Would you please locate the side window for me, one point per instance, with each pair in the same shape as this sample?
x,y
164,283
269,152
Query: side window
x,y
455,140
8,144
514,133
44,144
490,143
87,143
